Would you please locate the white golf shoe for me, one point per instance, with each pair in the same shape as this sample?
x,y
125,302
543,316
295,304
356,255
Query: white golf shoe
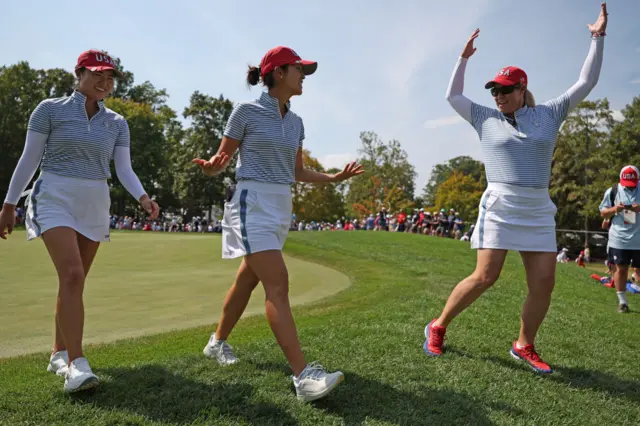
x,y
220,350
58,363
315,383
79,377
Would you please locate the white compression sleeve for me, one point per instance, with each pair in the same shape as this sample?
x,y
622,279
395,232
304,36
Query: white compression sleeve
x,y
454,95
589,74
27,165
126,175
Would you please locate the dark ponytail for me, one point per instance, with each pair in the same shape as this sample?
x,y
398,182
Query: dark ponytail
x,y
253,76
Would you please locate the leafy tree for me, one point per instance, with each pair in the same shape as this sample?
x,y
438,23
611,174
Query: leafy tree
x,y
197,192
312,201
580,172
460,192
386,166
148,146
441,172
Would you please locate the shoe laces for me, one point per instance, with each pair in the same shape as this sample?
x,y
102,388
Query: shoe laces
x,y
314,371
531,353
226,349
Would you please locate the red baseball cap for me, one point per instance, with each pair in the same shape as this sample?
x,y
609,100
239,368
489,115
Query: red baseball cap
x,y
95,60
281,55
508,76
629,176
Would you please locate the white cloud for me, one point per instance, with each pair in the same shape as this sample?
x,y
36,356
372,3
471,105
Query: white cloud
x,y
443,121
617,115
337,160
636,81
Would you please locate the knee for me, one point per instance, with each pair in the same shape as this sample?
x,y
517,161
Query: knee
x,y
278,289
485,279
72,278
543,286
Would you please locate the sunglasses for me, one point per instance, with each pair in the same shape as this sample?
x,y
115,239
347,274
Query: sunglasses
x,y
505,90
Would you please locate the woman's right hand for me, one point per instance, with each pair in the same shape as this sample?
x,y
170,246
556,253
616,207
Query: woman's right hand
x,y
215,165
7,221
469,50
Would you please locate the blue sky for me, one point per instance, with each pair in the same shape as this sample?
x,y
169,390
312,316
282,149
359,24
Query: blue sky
x,y
381,67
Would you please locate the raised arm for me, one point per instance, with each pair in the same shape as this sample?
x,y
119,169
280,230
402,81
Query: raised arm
x,y
460,103
589,75
590,72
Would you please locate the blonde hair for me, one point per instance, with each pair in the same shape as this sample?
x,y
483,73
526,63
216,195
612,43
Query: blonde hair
x,y
529,100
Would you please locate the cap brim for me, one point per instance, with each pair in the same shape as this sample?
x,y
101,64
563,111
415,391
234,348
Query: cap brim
x,y
309,67
629,183
105,68
493,82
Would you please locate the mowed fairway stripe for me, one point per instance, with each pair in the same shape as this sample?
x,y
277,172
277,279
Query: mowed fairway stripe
x,y
141,283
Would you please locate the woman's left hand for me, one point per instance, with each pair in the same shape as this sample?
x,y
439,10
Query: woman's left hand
x,y
600,26
350,170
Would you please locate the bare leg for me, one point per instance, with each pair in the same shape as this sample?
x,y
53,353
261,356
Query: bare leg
x,y
541,270
88,250
236,300
270,268
488,268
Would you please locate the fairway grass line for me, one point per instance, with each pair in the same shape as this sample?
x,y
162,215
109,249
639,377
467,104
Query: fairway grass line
x,y
139,287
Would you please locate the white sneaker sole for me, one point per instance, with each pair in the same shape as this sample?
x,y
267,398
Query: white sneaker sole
x,y
88,383
312,397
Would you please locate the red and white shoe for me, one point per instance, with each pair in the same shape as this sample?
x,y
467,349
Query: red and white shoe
x,y
434,339
529,355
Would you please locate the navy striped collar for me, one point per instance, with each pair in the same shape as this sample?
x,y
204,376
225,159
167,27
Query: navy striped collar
x,y
78,96
269,101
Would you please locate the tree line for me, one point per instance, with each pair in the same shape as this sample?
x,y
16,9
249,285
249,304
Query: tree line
x,y
591,149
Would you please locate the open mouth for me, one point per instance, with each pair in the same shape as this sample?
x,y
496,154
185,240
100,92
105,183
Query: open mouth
x,y
99,89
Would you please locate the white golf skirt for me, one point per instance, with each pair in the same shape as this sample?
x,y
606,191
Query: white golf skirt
x,y
81,204
257,218
515,218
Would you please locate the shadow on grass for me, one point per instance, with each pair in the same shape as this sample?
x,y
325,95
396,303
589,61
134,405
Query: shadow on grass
x,y
160,395
359,399
574,377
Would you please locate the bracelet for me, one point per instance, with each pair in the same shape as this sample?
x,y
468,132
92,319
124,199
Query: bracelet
x,y
602,34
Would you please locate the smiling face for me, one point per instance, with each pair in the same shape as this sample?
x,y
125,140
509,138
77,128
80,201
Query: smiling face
x,y
291,79
508,98
96,84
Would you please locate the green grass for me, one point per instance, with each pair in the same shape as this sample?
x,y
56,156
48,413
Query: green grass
x,y
139,284
373,331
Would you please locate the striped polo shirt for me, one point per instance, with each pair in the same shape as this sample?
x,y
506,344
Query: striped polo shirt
x,y
269,143
520,155
77,146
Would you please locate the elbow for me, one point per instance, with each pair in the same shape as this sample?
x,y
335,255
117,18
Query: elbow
x,y
448,97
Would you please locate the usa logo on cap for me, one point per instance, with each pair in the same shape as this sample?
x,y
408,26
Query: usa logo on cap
x,y
629,176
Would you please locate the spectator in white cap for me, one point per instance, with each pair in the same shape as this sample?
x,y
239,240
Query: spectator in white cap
x,y
268,136
621,206
76,137
562,256
516,212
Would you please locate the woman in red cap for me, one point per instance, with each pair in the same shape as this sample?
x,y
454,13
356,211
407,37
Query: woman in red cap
x,y
516,212
76,137
268,137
